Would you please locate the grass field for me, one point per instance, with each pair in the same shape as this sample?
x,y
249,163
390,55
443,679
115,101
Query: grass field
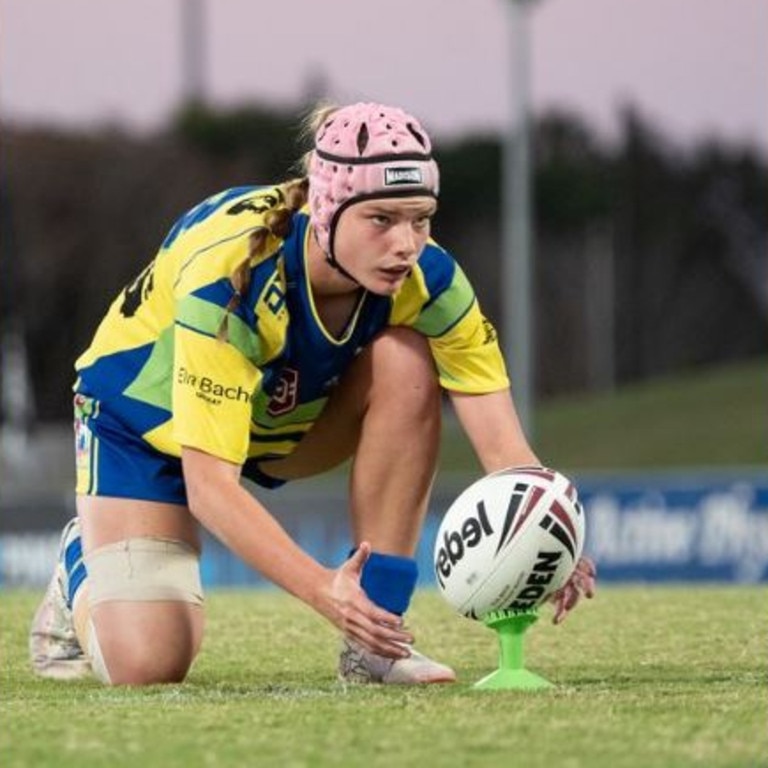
x,y
711,417
645,677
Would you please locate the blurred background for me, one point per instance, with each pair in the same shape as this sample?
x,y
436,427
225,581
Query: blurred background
x,y
604,184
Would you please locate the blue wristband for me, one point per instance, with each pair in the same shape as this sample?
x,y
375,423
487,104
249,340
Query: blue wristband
x,y
389,581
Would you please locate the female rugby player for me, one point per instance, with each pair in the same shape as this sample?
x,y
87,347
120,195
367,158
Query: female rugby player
x,y
278,332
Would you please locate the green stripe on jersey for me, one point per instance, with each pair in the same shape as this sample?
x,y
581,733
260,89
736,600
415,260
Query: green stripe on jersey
x,y
302,414
201,315
442,314
153,383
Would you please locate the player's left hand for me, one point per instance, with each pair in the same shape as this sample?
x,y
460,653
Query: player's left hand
x,y
582,582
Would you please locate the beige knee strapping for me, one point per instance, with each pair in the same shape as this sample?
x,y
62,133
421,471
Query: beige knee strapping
x,y
144,570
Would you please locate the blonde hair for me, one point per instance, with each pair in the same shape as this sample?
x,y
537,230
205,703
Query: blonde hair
x,y
289,197
308,129
292,195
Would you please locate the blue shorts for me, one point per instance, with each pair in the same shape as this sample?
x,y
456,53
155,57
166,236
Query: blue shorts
x,y
112,461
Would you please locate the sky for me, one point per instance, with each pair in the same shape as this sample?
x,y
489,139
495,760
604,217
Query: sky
x,y
695,68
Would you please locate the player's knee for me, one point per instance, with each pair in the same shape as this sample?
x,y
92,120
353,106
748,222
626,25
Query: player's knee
x,y
145,603
143,649
145,664
404,368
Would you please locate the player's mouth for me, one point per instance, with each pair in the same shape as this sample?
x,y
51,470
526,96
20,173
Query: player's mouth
x,y
396,273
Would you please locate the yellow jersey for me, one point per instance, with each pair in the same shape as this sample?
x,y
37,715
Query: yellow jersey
x,y
161,366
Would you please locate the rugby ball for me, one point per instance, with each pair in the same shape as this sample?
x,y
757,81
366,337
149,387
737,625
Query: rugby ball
x,y
509,541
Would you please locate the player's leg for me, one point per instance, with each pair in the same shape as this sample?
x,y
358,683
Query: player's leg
x,y
125,600
392,473
396,455
141,614
386,414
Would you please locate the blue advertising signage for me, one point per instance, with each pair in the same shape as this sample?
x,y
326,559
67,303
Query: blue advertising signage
x,y
650,527
684,527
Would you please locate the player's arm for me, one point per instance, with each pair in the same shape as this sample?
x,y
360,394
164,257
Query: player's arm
x,y
214,381
471,368
243,525
493,428
491,424
212,409
440,303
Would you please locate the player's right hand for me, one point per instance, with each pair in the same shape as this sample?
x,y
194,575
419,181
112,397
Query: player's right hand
x,y
361,620
583,581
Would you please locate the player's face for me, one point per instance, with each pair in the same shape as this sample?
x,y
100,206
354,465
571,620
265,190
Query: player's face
x,y
379,241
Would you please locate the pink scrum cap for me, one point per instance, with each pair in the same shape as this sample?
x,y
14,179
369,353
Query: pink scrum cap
x,y
362,152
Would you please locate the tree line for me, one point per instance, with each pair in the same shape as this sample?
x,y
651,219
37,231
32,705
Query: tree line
x,y
649,258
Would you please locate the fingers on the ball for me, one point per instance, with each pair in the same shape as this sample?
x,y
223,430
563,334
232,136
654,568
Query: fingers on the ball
x,y
570,598
586,585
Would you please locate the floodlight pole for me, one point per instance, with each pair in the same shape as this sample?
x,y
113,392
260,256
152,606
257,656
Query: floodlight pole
x,y
193,51
516,270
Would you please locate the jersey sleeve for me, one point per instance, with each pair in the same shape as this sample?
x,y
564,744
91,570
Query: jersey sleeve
x,y
213,384
440,302
468,357
223,338
215,374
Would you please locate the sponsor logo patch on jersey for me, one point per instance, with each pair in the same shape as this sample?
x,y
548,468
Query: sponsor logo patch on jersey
x,y
286,394
210,390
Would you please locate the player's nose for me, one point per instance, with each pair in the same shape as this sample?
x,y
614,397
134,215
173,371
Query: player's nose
x,y
406,244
